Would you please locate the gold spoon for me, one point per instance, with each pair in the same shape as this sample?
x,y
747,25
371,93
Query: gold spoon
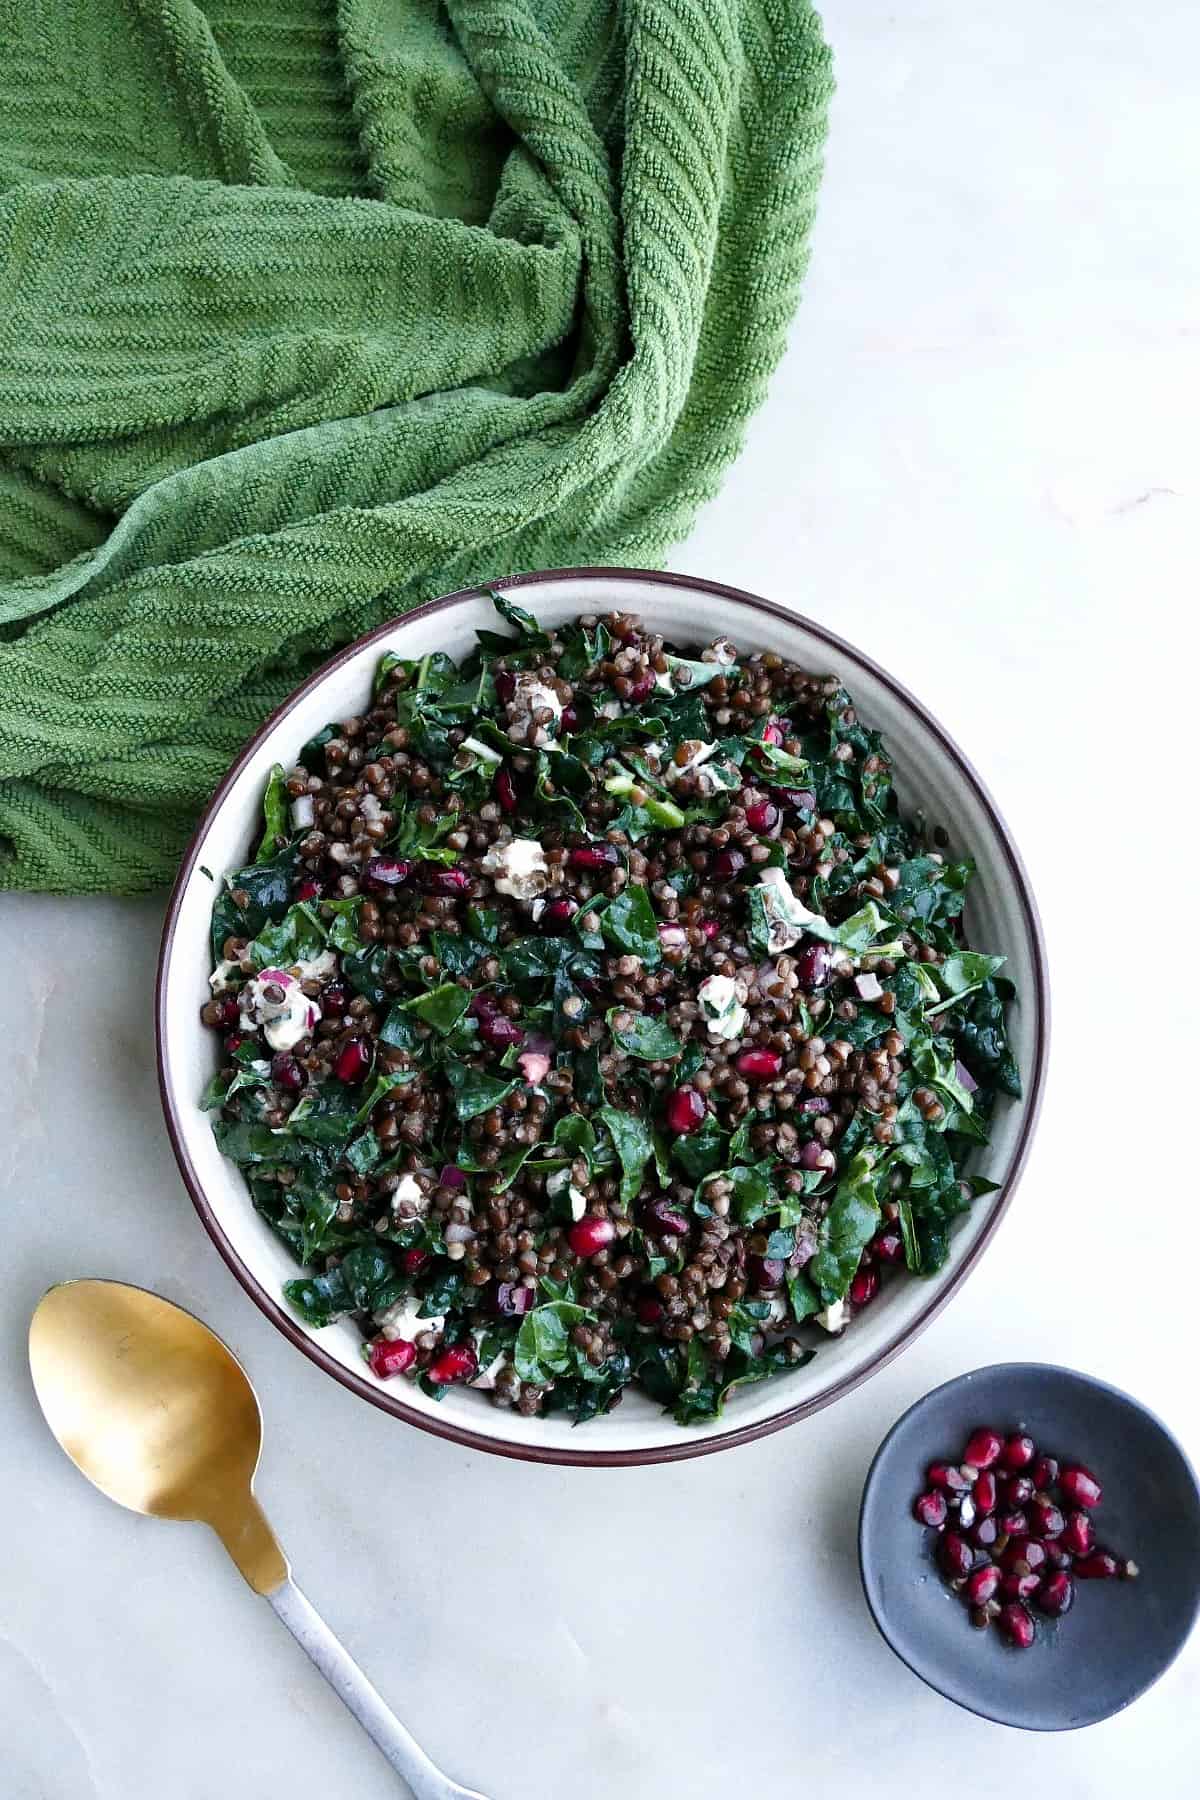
x,y
159,1414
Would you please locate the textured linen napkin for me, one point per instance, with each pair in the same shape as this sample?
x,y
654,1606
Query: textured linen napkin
x,y
313,309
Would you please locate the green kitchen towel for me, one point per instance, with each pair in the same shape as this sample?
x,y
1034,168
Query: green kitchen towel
x,y
313,309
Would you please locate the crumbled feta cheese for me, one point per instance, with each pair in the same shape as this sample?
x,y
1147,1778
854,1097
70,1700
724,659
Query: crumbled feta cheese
x,y
724,652
720,1000
718,777
530,696
833,1318
303,812
786,914
317,968
612,709
399,1320
698,752
519,868
409,1189
777,1312
663,682
559,1181
219,980
277,1003
486,1378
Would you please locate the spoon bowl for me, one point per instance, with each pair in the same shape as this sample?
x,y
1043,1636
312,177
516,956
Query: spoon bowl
x,y
156,1411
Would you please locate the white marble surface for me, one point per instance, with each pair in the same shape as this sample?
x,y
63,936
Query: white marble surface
x,y
980,461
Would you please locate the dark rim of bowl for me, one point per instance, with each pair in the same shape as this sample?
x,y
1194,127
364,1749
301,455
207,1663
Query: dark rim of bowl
x,y
737,1434
1014,1370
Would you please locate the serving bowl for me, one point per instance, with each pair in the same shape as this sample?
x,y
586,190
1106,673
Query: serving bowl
x,y
933,776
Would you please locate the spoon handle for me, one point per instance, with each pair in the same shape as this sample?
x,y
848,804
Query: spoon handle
x,y
369,1708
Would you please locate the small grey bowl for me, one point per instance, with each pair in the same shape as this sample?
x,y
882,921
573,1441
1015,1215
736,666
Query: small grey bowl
x,y
1120,1636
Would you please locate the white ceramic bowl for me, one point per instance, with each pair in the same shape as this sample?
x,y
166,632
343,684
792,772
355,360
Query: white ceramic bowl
x,y
932,774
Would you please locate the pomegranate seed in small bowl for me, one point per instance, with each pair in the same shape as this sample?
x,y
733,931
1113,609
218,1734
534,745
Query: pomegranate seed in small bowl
x,y
1097,1598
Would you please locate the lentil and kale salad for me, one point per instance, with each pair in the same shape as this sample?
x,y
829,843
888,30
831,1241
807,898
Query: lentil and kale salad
x,y
591,1016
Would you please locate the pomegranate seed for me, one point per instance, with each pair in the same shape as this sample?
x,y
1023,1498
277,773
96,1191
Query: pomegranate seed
x,y
308,889
594,856
512,1300
772,733
1020,1587
353,1061
1016,1625
1097,1565
455,1364
1056,1556
649,1309
948,1477
444,881
286,1072
728,863
888,1246
759,1065
1014,1524
762,816
1019,1452
955,1554
930,1509
591,1234
333,1002
506,685
383,873
863,1289
643,687
498,1033
569,721
234,1042
1023,1553
1077,1535
661,1217
983,1448
985,1532
1045,1520
229,1010
1056,1595
505,789
414,1260
557,915
984,1492
1080,1486
812,967
1018,1490
803,799
765,1272
981,1585
685,1110
392,1357
1045,1473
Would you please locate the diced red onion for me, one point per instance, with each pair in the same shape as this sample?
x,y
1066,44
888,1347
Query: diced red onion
x,y
452,1176
965,1077
455,1233
534,1066
867,987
